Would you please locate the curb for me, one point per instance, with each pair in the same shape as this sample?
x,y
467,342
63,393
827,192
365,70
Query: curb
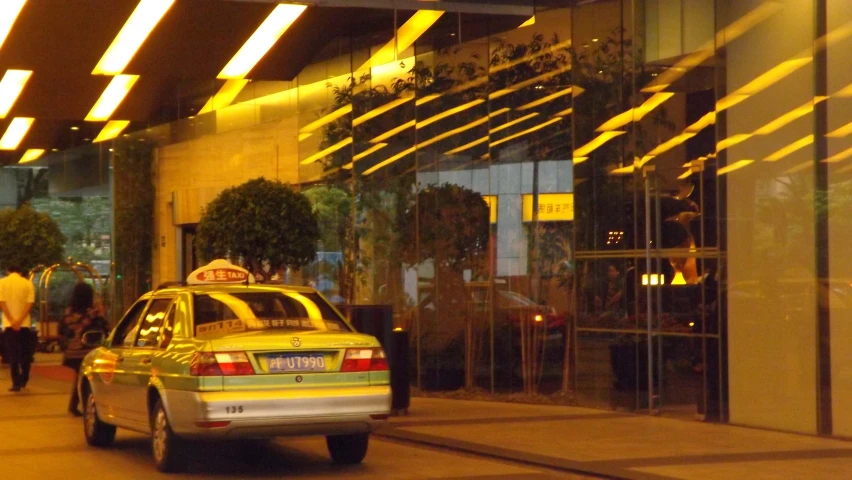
x,y
531,459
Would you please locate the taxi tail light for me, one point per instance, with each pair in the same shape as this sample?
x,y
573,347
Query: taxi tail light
x,y
364,360
210,364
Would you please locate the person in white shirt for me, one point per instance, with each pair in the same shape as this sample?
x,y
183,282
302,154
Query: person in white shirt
x,y
17,296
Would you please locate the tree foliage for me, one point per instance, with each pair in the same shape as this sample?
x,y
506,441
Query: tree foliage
x,y
29,238
259,221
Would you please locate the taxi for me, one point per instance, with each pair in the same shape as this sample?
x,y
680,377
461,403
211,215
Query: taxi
x,y
220,357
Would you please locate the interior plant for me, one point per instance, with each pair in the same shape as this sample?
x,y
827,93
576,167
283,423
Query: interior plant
x,y
29,238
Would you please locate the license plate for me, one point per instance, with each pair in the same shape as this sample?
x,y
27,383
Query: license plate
x,y
312,362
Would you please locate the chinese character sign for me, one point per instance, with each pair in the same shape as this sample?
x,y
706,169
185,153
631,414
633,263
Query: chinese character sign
x,y
552,207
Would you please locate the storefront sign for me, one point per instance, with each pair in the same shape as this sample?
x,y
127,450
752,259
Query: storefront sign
x,y
552,207
219,271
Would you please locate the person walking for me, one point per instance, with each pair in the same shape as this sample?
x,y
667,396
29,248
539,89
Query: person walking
x,y
81,316
17,296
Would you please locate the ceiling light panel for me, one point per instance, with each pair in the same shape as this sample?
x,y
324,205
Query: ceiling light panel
x,y
9,11
132,35
31,155
111,130
112,97
11,86
15,133
281,18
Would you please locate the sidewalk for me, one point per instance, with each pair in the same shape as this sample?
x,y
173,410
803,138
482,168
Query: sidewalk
x,y
617,445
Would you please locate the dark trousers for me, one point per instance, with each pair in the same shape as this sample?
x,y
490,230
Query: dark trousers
x,y
19,352
74,364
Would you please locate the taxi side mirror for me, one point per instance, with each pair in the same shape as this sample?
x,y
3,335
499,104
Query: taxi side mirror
x,y
93,339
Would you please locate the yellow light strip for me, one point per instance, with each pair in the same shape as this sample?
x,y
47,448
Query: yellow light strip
x,y
304,136
452,132
543,100
15,133
9,11
623,170
427,99
469,145
800,167
685,174
11,86
527,131
601,139
112,97
31,155
405,37
392,132
789,117
527,83
380,110
765,80
111,130
449,113
734,166
390,160
529,58
317,124
499,112
841,132
635,114
514,122
368,151
325,152
708,119
457,89
564,113
839,157
844,92
783,152
732,140
225,96
530,22
670,143
132,35
278,21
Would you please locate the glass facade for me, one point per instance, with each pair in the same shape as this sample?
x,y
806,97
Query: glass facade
x,y
636,205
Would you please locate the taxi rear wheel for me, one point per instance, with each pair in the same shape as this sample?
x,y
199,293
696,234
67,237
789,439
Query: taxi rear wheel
x,y
348,449
165,445
98,433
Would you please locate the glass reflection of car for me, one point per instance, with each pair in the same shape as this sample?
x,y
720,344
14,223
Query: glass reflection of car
x,y
235,361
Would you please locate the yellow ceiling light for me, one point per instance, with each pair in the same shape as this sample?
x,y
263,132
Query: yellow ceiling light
x,y
762,82
789,117
783,152
671,143
303,136
327,151
9,11
708,119
685,174
452,132
449,113
131,36
839,157
623,170
577,160
799,167
368,151
278,21
530,22
532,81
405,37
734,166
601,139
635,114
31,155
390,160
499,112
543,100
457,89
225,96
317,124
732,140
841,132
112,97
844,92
380,110
466,146
527,131
15,133
564,113
514,122
111,130
11,86
394,131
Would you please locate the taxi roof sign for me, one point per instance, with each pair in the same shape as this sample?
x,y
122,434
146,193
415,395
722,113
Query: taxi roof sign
x,y
219,272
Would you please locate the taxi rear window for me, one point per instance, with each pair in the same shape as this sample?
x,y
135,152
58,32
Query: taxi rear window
x,y
241,311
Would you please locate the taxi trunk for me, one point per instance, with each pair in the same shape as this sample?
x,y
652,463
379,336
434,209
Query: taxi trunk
x,y
273,360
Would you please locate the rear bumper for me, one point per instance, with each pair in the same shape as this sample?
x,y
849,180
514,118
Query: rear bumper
x,y
260,413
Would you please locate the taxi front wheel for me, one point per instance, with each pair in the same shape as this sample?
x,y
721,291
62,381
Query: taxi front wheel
x,y
98,433
165,445
348,449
